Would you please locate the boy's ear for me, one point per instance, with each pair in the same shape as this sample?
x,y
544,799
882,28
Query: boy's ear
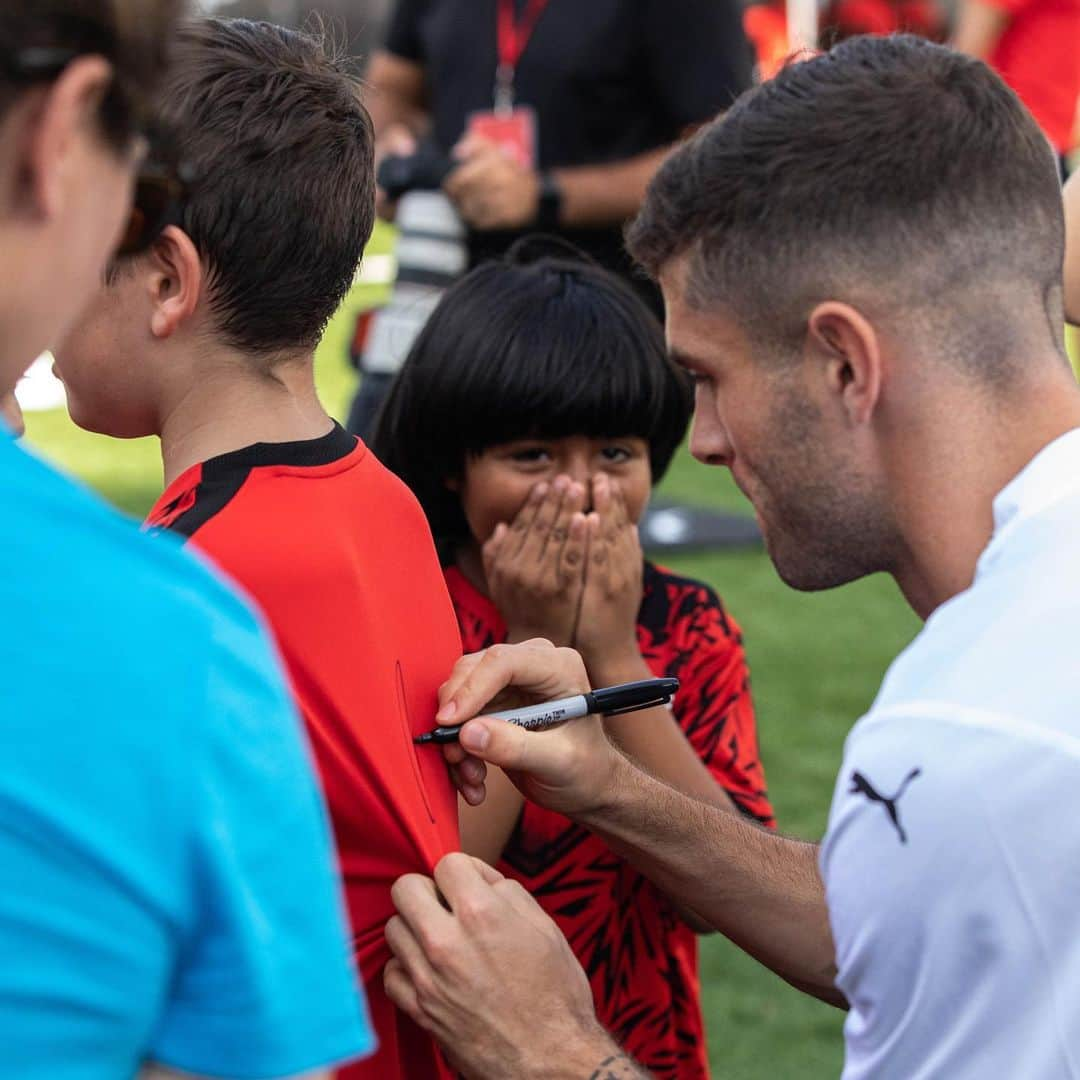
x,y
452,483
176,281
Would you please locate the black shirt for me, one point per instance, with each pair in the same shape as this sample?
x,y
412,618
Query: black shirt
x,y
609,79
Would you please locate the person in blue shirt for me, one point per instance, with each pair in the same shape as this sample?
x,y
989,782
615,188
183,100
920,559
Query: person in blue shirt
x,y
167,884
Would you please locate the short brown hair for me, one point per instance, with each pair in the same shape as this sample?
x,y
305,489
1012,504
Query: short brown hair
x,y
901,165
280,146
133,35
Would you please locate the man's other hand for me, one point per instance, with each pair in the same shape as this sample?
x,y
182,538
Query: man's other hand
x,y
482,967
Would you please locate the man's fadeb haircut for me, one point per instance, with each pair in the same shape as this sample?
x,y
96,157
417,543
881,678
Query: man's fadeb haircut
x,y
514,350
133,35
272,128
888,169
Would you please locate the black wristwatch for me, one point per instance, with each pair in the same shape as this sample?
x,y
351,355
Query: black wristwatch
x,y
548,203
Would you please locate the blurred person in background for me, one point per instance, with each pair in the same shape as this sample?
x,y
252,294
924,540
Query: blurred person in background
x,y
207,341
847,18
169,900
1034,45
556,112
532,418
765,24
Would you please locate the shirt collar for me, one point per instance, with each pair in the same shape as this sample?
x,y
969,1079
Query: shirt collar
x,y
1052,474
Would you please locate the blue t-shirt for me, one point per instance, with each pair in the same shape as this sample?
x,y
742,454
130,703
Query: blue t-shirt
x,y
167,885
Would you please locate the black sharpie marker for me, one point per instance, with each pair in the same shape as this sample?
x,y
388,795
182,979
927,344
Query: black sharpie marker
x,y
608,701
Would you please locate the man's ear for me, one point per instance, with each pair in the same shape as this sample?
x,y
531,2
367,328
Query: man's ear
x,y
847,351
175,282
57,118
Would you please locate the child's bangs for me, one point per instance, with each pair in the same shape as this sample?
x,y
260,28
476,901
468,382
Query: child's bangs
x,y
587,359
562,391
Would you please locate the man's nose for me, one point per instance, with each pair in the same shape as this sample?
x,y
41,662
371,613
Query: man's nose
x,y
709,441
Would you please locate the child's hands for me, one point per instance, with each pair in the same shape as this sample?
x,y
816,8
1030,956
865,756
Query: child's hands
x,y
557,574
607,629
534,567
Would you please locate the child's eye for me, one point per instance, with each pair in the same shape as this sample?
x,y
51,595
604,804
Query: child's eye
x,y
531,455
615,455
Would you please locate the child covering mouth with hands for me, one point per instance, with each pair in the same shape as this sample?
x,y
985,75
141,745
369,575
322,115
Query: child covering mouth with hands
x,y
532,418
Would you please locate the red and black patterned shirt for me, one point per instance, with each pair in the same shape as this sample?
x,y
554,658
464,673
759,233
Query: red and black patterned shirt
x,y
641,958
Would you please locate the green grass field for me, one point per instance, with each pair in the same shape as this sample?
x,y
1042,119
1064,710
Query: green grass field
x,y
816,662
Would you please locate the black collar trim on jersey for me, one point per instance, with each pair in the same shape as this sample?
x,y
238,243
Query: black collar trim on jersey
x,y
324,450
222,477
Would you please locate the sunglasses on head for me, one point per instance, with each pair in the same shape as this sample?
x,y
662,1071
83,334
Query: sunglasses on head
x,y
161,184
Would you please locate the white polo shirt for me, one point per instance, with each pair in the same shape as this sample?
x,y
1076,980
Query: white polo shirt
x,y
952,859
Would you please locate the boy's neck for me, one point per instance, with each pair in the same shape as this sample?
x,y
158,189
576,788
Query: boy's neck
x,y
230,403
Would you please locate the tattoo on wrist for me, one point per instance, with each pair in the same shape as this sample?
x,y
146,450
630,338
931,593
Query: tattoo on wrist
x,y
619,1067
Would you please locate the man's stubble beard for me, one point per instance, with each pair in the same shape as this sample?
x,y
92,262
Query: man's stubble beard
x,y
825,520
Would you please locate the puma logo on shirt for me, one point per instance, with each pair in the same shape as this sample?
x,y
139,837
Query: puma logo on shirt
x,y
861,786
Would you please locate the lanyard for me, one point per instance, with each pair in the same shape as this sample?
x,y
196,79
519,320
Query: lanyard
x,y
511,38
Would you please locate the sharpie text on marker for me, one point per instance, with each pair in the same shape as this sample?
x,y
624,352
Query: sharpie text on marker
x,y
607,701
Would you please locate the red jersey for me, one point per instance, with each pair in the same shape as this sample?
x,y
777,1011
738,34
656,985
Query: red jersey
x,y
338,555
640,956
1038,55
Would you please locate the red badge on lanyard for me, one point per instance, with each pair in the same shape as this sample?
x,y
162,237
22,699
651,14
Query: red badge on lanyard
x,y
512,127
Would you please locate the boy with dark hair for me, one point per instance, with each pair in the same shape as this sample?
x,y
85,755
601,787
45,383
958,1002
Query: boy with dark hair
x,y
207,341
169,897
